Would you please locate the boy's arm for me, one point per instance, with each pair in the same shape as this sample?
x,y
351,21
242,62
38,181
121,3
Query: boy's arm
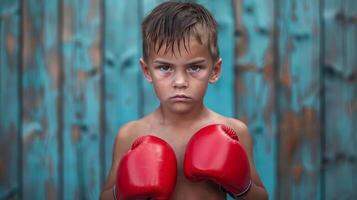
x,y
257,190
121,145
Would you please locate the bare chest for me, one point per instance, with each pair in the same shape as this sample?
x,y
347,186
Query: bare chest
x,y
186,189
178,142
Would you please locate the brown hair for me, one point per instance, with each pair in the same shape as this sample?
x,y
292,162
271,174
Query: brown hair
x,y
173,22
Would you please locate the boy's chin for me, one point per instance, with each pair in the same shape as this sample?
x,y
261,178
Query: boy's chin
x,y
181,108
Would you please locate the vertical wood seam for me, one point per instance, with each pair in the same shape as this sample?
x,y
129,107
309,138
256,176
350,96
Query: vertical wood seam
x,y
235,87
60,108
102,98
322,100
276,62
20,104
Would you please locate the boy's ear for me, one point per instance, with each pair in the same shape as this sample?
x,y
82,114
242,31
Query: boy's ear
x,y
216,71
145,69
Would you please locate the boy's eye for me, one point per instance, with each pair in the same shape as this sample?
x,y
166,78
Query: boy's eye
x,y
194,68
165,68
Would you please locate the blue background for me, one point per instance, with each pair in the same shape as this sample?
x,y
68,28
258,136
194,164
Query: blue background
x,y
70,77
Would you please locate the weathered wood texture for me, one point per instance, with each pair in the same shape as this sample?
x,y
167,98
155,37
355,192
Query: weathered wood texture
x,y
9,100
255,83
299,99
39,88
121,68
70,78
81,50
340,99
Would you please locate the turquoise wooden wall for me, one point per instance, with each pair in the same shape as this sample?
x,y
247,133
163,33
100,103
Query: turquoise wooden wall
x,y
69,78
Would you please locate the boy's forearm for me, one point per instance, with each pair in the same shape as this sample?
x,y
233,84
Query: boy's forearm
x,y
107,194
255,192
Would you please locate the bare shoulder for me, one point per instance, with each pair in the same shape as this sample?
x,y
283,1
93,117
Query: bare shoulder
x,y
124,138
242,131
125,132
129,132
132,130
240,127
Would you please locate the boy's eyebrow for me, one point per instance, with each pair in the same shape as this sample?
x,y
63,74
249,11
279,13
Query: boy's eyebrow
x,y
194,61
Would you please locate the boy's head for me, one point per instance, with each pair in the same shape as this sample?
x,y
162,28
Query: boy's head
x,y
173,23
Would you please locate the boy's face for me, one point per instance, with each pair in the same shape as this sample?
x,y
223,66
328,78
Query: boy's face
x,y
180,79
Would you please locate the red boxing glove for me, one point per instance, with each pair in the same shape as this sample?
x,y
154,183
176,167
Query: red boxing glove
x,y
214,153
147,170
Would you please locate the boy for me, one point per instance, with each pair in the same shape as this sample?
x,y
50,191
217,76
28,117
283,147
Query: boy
x,y
180,58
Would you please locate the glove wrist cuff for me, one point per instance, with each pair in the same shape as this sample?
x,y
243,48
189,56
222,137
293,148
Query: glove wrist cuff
x,y
244,191
114,193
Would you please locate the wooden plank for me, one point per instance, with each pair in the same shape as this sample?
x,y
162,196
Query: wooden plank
x,y
81,132
9,100
122,70
40,95
255,83
340,155
299,108
340,78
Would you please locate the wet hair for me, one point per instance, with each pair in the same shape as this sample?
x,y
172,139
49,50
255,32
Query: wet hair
x,y
173,23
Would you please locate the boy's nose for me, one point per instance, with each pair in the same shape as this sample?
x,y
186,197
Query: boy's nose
x,y
180,81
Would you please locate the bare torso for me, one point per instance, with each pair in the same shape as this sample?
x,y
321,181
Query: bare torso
x,y
178,138
177,134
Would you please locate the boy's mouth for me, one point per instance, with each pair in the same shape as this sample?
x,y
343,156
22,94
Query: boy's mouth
x,y
180,97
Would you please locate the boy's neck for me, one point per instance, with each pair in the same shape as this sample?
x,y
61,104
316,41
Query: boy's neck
x,y
181,119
